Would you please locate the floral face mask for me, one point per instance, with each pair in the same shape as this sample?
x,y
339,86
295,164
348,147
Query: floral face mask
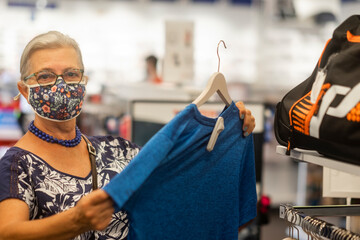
x,y
60,102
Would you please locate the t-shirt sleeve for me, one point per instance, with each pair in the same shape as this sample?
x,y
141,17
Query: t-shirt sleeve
x,y
247,186
124,184
15,181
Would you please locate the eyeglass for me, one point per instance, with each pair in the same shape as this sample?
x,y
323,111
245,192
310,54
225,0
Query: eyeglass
x,y
45,78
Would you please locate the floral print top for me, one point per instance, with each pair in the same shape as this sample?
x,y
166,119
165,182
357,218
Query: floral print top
x,y
47,191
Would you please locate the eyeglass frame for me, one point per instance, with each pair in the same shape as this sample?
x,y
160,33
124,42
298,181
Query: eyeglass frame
x,y
57,76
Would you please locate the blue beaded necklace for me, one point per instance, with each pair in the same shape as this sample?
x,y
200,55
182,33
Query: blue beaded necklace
x,y
50,139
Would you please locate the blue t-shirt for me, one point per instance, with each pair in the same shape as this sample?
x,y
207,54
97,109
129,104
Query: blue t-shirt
x,y
175,189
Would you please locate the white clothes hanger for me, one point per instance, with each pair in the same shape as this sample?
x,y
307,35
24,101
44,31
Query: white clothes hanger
x,y
217,84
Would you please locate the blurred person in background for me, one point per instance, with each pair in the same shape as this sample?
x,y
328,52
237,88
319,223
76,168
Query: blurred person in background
x,y
47,186
151,70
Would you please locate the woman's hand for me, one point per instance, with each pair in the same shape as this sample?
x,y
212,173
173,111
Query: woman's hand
x,y
94,211
249,120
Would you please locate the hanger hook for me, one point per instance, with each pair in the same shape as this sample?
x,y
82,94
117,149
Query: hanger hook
x,y
217,51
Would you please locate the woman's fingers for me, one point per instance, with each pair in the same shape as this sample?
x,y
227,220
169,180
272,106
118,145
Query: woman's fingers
x,y
249,119
95,210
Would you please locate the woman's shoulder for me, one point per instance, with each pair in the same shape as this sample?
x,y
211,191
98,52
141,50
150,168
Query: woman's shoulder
x,y
111,150
110,141
13,160
12,153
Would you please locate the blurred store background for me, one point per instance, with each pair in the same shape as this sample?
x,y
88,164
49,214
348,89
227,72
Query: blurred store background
x,y
272,45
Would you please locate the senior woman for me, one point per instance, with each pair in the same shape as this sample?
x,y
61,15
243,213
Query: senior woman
x,y
46,189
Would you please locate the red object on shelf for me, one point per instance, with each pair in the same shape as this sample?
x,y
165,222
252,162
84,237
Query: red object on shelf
x,y
13,105
95,98
125,127
9,129
8,143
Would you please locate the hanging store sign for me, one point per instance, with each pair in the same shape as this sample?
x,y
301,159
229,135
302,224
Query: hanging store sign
x,y
179,52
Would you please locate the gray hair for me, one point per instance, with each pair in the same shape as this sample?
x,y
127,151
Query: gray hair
x,y
49,40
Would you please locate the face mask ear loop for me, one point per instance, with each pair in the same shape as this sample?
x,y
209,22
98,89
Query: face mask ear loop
x,y
17,97
28,96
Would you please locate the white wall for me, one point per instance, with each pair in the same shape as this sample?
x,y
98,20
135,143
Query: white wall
x,y
115,37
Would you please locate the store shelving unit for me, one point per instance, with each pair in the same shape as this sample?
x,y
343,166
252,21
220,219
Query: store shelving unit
x,y
340,179
318,159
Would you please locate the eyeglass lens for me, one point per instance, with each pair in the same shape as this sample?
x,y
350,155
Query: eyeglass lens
x,y
47,78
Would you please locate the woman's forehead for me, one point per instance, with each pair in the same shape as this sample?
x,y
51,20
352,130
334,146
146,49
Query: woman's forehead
x,y
54,58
